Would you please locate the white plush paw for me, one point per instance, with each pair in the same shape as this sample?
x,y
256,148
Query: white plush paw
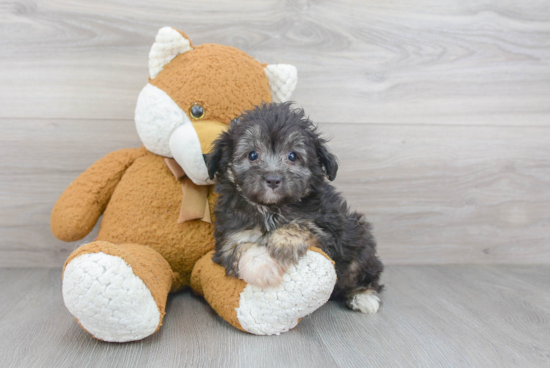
x,y
365,302
305,287
108,299
257,268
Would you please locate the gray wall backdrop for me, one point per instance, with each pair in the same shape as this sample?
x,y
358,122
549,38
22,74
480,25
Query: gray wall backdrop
x,y
439,111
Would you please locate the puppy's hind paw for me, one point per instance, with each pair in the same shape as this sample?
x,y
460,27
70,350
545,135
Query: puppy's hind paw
x,y
365,302
257,268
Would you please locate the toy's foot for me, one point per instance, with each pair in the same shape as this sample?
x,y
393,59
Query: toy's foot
x,y
267,311
306,287
111,299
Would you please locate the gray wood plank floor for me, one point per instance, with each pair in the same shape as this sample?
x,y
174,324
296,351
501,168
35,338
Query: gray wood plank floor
x,y
432,316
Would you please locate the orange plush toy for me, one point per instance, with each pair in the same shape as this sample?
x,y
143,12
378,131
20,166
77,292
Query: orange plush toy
x,y
156,235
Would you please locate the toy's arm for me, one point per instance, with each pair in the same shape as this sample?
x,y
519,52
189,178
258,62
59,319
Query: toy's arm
x,y
77,210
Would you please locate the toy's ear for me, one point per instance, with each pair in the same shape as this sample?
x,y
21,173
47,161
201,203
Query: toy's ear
x,y
282,81
328,161
220,155
169,43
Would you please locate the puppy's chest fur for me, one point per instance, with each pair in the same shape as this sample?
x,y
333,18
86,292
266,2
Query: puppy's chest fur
x,y
268,219
275,222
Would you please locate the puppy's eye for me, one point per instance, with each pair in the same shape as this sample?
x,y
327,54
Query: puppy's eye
x,y
253,155
292,156
197,111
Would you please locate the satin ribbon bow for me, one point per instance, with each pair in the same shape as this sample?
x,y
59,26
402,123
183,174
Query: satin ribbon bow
x,y
194,204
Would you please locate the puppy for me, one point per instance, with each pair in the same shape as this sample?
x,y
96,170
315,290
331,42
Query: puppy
x,y
274,202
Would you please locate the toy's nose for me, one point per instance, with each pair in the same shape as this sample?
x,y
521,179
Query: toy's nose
x,y
208,131
273,181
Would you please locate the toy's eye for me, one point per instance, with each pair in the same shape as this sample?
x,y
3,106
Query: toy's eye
x,y
292,156
253,155
197,111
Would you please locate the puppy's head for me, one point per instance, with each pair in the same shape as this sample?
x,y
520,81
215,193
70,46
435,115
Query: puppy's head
x,y
273,155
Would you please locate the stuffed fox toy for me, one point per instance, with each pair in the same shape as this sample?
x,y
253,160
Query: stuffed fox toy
x,y
156,235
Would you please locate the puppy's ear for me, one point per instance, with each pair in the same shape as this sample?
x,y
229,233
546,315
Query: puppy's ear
x,y
328,161
220,155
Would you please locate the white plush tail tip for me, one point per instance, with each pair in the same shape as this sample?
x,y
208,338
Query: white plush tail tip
x,y
282,81
168,44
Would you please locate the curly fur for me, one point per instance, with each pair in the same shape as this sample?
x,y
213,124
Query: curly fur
x,y
301,210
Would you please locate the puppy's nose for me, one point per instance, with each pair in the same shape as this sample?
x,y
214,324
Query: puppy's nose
x,y
273,181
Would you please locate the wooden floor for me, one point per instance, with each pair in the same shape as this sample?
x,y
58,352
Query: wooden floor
x,y
432,316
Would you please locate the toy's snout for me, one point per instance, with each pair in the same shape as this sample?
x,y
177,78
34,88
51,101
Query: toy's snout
x,y
189,142
208,131
165,129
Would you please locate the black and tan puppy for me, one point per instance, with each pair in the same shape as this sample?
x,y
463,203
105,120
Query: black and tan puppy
x,y
274,202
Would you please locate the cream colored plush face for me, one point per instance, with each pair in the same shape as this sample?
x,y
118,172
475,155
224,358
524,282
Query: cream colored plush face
x,y
223,80
157,116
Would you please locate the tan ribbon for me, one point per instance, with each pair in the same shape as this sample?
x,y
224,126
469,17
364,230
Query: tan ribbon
x,y
194,204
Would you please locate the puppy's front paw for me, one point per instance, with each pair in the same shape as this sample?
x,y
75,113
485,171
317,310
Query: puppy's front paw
x,y
289,243
257,268
365,302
